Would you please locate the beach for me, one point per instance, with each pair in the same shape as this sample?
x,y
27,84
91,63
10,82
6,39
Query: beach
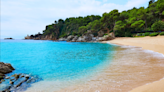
x,y
132,66
149,43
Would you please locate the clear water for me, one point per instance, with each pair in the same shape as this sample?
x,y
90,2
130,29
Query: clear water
x,y
55,60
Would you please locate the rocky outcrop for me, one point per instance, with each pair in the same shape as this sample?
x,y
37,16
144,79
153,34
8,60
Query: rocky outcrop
x,y
88,37
5,68
62,39
69,38
101,33
8,38
75,39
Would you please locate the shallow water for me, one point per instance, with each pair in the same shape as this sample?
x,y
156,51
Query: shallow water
x,y
130,68
83,67
60,62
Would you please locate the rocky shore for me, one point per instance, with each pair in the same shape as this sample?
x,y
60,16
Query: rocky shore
x,y
15,82
87,37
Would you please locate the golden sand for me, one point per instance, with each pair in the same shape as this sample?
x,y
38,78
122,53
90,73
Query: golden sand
x,y
150,43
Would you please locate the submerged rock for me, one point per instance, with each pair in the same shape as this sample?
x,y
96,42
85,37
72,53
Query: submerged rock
x,y
20,83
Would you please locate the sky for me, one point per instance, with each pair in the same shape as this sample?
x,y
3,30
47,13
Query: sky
x,y
20,18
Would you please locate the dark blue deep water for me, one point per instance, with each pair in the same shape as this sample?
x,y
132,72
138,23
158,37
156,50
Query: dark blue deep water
x,y
55,60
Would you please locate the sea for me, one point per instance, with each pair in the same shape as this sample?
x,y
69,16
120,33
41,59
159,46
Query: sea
x,y
81,66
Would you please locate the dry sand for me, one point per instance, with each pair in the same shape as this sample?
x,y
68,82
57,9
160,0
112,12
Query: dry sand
x,y
149,43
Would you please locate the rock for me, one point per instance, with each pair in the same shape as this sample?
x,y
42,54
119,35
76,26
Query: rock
x,y
101,33
11,82
28,37
62,39
80,39
8,38
74,39
93,38
5,68
27,76
69,38
16,76
2,80
19,84
7,77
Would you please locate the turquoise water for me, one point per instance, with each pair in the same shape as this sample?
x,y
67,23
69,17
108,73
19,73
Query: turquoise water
x,y
55,60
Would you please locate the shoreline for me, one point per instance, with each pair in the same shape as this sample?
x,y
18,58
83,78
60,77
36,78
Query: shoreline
x,y
155,44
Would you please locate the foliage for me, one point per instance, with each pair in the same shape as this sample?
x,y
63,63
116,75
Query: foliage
x,y
82,29
153,34
147,34
158,25
162,33
138,24
120,23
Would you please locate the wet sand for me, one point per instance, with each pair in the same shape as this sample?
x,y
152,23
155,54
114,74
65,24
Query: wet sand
x,y
131,67
150,43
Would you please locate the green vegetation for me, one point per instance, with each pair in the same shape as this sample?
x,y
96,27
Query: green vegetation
x,y
147,34
153,34
162,33
1,77
158,25
122,24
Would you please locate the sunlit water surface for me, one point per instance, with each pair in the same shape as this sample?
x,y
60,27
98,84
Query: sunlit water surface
x,y
56,61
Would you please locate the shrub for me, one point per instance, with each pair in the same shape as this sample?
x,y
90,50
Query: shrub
x,y
153,34
162,33
105,34
138,34
147,34
63,35
128,34
157,26
148,29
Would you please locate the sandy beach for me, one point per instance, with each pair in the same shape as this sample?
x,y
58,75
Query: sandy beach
x,y
149,43
133,65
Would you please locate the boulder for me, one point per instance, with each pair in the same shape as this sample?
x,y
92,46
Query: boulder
x,y
101,33
81,39
62,39
88,37
75,39
69,38
5,68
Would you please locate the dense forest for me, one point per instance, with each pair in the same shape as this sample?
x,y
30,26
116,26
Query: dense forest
x,y
122,24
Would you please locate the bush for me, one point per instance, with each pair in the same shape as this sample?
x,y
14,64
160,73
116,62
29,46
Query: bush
x,y
139,34
63,35
147,34
128,34
162,33
153,34
105,34
157,26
